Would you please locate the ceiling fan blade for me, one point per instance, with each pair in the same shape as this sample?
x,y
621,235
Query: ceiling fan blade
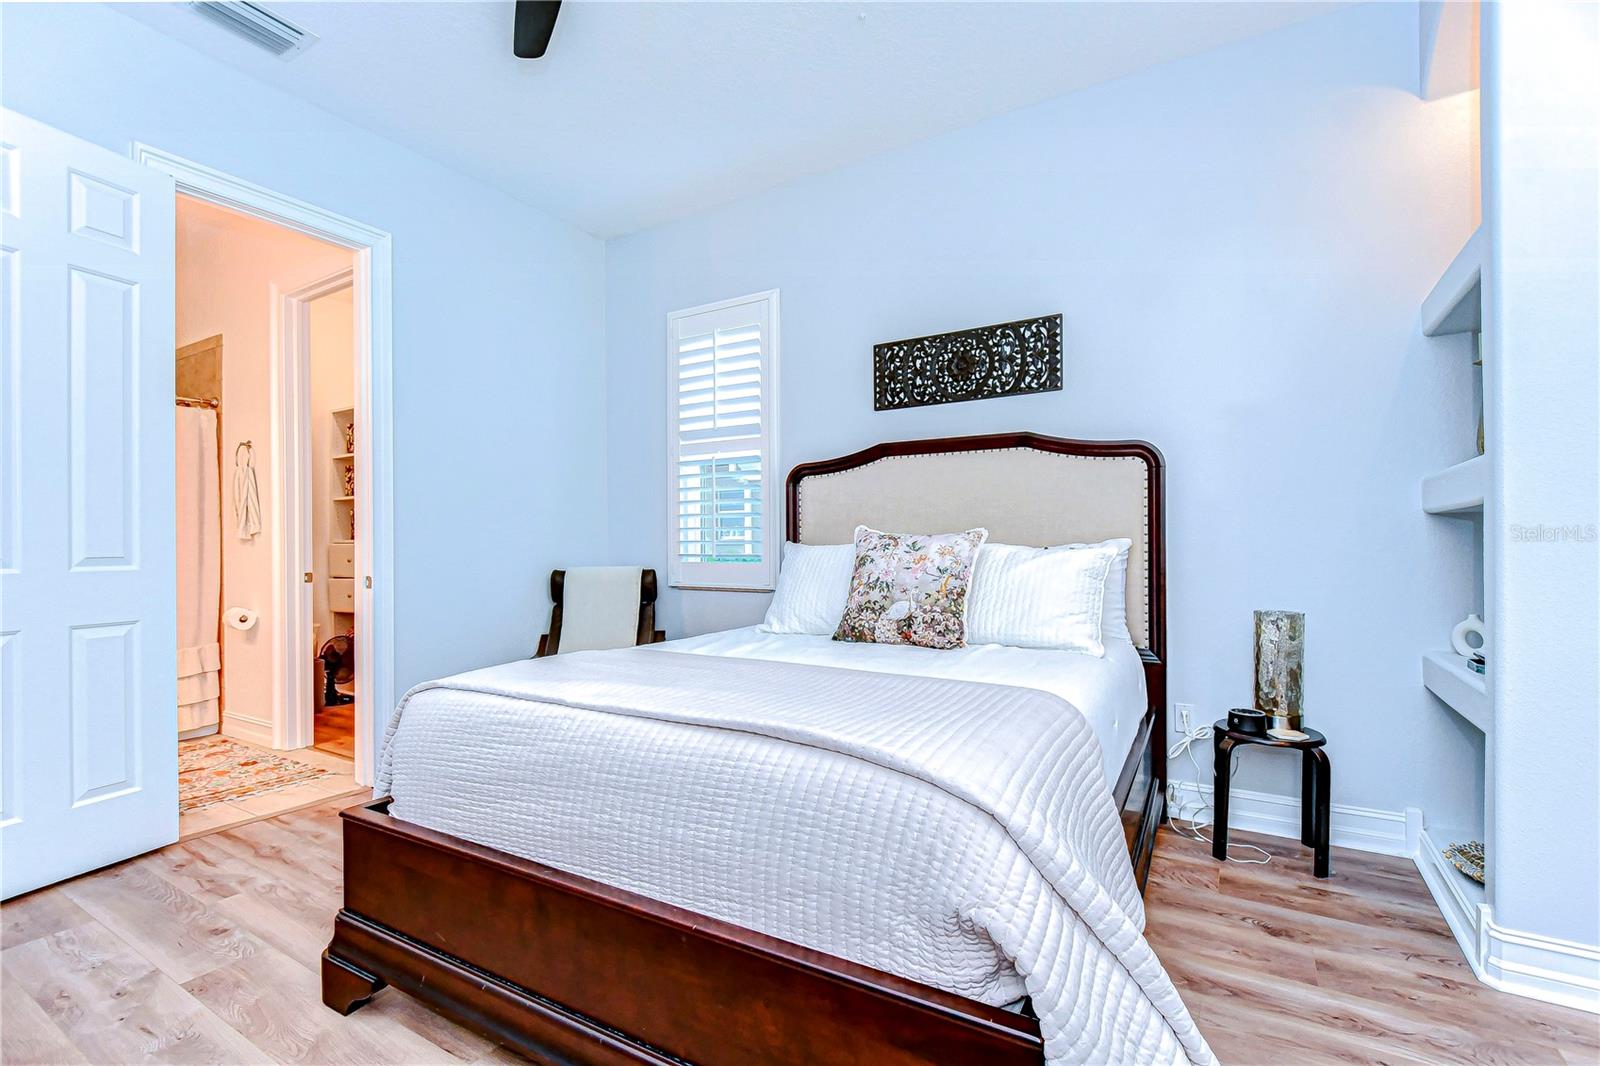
x,y
536,20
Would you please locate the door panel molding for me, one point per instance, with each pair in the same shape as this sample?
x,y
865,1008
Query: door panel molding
x,y
103,339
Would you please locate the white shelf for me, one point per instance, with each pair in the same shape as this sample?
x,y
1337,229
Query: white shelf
x,y
345,455
343,499
1456,303
1466,691
1459,490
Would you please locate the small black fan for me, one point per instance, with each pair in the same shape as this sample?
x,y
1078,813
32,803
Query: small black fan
x,y
338,657
536,20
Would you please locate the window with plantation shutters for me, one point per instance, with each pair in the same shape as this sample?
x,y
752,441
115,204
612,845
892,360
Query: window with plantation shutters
x,y
721,427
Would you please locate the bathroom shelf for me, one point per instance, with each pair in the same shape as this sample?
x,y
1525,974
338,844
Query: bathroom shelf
x,y
1456,303
1465,691
1458,490
344,455
343,499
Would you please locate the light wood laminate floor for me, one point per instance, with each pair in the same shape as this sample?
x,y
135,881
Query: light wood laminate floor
x,y
207,951
1279,967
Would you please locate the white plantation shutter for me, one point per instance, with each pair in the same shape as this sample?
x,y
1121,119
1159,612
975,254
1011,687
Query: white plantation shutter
x,y
721,422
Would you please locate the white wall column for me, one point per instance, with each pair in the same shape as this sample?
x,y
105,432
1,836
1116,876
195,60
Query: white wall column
x,y
1541,335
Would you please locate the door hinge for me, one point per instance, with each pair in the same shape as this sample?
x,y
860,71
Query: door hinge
x,y
369,582
308,577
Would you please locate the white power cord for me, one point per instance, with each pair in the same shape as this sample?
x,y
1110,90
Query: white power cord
x,y
1176,814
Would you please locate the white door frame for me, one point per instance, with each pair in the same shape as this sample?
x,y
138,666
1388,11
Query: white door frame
x,y
373,285
294,718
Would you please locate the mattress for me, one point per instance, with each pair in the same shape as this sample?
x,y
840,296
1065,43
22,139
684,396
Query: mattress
x,y
1108,692
952,831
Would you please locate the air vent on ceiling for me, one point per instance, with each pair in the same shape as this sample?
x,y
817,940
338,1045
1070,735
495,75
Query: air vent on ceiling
x,y
257,25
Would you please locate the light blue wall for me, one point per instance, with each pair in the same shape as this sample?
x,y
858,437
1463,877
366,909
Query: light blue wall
x,y
498,320
1240,242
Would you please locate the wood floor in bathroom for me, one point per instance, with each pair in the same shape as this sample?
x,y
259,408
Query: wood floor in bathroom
x,y
336,730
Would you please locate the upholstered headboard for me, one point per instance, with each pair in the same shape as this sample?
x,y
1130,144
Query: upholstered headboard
x,y
1025,488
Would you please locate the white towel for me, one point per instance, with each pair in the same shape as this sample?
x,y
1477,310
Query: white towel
x,y
246,496
199,545
600,608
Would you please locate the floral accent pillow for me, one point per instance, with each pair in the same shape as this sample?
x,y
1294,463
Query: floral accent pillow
x,y
910,588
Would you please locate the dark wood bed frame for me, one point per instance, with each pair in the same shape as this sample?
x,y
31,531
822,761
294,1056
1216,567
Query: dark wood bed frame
x,y
567,970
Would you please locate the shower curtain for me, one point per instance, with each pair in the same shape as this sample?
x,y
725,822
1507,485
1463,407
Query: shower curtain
x,y
199,573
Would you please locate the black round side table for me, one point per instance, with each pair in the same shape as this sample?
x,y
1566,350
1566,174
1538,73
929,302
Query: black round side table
x,y
1316,785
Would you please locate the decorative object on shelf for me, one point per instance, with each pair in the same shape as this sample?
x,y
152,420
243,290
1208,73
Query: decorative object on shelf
x,y
1009,359
1468,858
350,437
1461,638
1280,665
349,481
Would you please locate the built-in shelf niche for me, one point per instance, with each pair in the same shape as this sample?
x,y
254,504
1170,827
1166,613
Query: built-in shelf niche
x,y
1463,689
1457,490
341,541
1456,303
1463,491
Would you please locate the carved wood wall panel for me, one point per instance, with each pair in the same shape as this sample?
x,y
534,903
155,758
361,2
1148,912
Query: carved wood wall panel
x,y
1008,359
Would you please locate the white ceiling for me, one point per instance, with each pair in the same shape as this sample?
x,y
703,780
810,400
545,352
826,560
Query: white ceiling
x,y
645,112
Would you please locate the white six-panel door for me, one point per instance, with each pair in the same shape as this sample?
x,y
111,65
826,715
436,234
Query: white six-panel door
x,y
88,729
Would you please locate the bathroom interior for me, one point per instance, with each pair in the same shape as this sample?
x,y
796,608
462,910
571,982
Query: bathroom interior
x,y
243,751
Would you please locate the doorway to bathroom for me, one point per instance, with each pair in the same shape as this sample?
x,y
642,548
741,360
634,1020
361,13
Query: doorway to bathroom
x,y
266,439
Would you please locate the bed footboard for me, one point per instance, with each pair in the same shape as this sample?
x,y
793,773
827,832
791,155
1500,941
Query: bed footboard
x,y
567,970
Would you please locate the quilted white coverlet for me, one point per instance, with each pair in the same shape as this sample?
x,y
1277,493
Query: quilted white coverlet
x,y
956,833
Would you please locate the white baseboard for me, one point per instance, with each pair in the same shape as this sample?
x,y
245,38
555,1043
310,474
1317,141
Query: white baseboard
x,y
1459,900
249,730
1539,967
1360,828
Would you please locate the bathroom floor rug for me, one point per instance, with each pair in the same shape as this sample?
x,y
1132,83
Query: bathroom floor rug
x,y
214,769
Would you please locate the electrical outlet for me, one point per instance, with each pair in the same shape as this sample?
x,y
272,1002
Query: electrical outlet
x,y
1185,713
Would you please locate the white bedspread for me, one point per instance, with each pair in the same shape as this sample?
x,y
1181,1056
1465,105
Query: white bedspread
x,y
1108,691
956,833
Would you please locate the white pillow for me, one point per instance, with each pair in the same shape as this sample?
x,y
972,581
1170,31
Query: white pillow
x,y
813,585
1114,619
1041,597
1114,616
